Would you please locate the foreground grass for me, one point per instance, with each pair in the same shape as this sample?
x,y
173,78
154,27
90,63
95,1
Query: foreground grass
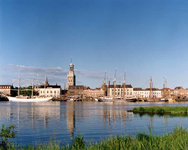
x,y
178,139
162,109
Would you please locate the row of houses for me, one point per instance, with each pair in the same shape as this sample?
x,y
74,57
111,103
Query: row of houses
x,y
128,91
81,91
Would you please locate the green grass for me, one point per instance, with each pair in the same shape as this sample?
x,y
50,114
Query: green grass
x,y
162,109
178,139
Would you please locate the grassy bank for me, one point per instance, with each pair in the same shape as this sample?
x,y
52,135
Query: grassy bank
x,y
161,109
178,139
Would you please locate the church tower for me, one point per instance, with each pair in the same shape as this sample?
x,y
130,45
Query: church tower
x,y
71,78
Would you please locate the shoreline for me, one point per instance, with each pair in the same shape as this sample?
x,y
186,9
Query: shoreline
x,y
176,139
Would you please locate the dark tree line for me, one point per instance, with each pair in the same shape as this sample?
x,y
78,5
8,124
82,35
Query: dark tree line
x,y
27,91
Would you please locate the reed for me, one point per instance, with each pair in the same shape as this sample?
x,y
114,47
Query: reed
x,y
178,139
162,109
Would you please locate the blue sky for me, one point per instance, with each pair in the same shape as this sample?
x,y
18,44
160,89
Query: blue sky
x,y
144,37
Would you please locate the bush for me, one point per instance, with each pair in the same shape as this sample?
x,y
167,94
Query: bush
x,y
78,142
7,132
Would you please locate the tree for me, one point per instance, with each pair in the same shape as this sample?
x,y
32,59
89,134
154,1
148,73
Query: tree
x,y
27,91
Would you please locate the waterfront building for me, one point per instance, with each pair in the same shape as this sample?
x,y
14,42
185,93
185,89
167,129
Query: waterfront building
x,y
167,92
48,90
94,93
7,89
71,78
145,93
180,91
119,91
75,91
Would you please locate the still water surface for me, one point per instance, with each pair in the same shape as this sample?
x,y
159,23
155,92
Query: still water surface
x,y
94,120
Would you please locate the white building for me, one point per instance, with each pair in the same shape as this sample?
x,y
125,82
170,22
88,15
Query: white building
x,y
119,91
145,93
47,90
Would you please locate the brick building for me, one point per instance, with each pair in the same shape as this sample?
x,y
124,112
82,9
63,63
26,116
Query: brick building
x,y
7,89
94,93
75,91
180,91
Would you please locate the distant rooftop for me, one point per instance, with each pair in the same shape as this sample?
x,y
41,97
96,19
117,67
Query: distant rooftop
x,y
119,86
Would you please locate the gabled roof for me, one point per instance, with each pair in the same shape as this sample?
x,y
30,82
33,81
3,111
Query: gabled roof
x,y
49,86
76,87
153,89
179,87
138,89
119,86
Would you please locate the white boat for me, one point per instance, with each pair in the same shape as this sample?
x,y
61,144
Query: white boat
x,y
106,99
96,99
26,99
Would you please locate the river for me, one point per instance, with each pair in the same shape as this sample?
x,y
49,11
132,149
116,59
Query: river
x,y
38,122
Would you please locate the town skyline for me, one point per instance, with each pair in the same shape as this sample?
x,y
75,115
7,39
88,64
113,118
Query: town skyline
x,y
55,74
143,38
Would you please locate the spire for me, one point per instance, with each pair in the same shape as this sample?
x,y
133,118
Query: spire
x,y
46,81
105,78
71,64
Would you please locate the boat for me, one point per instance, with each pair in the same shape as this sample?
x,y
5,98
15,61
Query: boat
x,y
131,100
27,99
98,100
164,100
106,99
3,97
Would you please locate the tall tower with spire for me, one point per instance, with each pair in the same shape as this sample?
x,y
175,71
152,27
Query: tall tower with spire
x,y
71,78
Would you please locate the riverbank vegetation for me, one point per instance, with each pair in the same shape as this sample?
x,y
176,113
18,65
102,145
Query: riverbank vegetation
x,y
177,139
161,109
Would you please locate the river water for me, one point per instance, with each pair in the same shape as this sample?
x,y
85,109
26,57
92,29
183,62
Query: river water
x,y
38,122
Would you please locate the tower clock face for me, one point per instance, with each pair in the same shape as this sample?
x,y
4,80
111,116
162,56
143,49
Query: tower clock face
x,y
71,68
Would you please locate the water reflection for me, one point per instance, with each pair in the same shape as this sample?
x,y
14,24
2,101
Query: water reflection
x,y
39,121
71,118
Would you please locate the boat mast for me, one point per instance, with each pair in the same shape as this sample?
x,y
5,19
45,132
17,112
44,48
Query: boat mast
x,y
19,85
121,86
151,85
104,86
19,76
124,84
164,87
33,82
114,84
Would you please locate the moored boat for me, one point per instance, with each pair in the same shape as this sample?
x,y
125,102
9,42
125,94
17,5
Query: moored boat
x,y
106,99
131,100
27,99
3,98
